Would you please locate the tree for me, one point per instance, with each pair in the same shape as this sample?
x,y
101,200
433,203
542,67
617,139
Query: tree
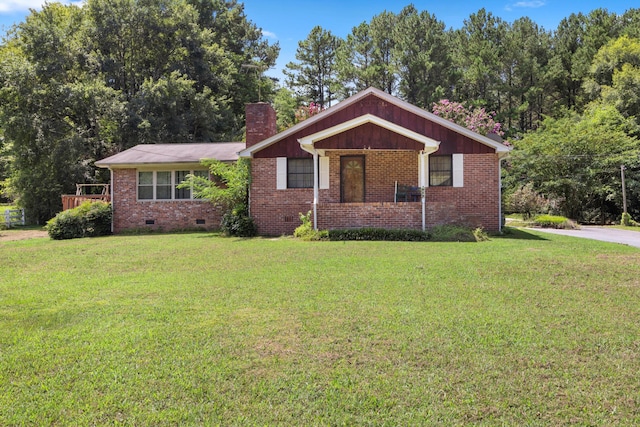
x,y
78,84
524,85
476,119
314,75
355,61
477,49
285,104
576,161
575,42
422,53
385,74
615,75
228,190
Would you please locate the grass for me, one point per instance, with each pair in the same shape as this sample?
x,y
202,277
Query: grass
x,y
627,227
195,329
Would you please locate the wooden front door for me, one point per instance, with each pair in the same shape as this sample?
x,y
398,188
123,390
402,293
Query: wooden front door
x,y
352,179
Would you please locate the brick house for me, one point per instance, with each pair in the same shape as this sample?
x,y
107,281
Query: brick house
x,y
144,181
372,160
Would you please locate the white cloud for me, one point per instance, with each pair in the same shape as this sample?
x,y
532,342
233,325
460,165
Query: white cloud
x,y
11,6
269,34
533,4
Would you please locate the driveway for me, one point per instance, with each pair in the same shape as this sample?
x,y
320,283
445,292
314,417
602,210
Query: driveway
x,y
606,234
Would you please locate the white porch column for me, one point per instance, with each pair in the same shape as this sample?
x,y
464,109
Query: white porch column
x,y
315,190
111,194
422,179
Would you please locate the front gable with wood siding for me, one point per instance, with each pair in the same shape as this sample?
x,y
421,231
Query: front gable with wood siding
x,y
347,163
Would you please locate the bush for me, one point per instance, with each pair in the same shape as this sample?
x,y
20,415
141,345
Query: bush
x,y
378,234
553,221
453,233
238,223
526,201
305,230
90,219
628,221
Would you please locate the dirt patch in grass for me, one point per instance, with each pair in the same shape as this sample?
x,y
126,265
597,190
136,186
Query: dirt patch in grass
x,y
11,235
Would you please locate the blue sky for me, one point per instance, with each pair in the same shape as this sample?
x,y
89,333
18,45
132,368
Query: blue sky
x,y
289,21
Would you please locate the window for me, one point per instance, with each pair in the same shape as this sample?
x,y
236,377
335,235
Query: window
x,y
163,185
181,193
299,173
145,185
440,171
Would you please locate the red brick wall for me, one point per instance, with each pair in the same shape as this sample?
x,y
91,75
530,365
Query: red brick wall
x,y
379,215
129,213
476,204
275,212
382,169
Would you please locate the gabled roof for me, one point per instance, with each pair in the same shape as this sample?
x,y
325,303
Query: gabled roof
x,y
307,142
156,154
500,148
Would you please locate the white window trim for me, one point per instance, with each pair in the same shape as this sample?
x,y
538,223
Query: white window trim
x,y
173,185
282,173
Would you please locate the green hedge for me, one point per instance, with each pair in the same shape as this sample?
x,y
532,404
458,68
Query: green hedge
x,y
90,219
553,221
379,234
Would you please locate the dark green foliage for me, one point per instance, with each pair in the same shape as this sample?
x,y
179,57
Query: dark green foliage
x,y
440,233
238,223
379,234
91,219
314,73
80,83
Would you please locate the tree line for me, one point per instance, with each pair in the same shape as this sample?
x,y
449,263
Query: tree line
x,y
568,100
80,83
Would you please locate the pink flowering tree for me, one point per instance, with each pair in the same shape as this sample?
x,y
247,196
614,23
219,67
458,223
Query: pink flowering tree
x,y
475,119
304,112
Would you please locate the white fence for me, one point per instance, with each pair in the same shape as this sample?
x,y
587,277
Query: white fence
x,y
14,217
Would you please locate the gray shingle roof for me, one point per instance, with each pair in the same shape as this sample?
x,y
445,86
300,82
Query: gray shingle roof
x,y
144,154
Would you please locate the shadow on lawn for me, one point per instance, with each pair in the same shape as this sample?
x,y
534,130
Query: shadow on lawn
x,y
518,234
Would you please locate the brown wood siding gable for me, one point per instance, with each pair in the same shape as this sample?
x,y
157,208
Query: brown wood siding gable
x,y
379,138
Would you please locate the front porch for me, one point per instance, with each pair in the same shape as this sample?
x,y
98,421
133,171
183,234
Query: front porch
x,y
389,215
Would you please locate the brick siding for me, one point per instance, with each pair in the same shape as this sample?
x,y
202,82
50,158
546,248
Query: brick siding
x,y
129,213
476,204
260,122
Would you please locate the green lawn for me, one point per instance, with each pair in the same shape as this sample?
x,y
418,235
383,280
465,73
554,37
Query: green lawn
x,y
194,329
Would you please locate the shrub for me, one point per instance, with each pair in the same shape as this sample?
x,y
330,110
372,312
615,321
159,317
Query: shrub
x,y
480,235
553,221
238,223
628,221
378,234
527,201
90,219
305,230
452,233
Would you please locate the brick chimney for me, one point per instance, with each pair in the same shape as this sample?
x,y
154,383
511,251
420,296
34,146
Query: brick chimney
x,y
261,122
